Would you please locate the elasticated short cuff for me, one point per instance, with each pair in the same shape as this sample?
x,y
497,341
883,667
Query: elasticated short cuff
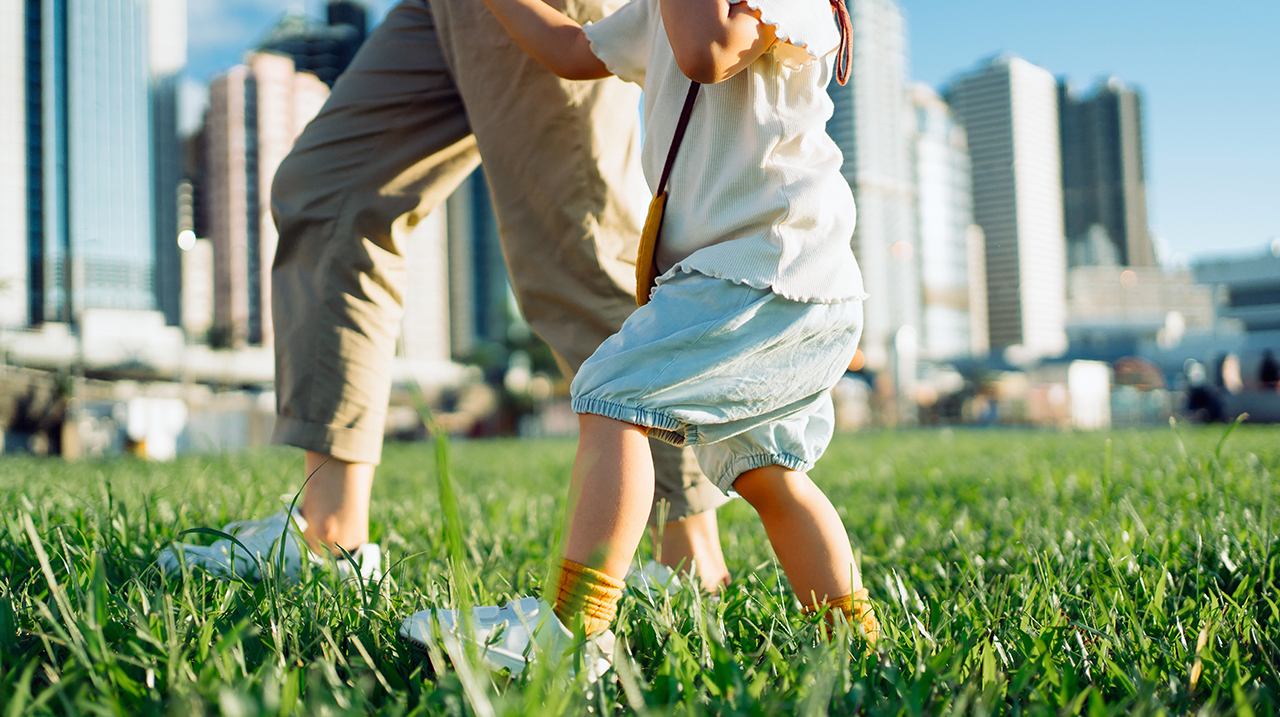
x,y
725,478
718,461
661,426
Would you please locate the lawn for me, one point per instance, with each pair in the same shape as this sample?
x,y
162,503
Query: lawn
x,y
1016,572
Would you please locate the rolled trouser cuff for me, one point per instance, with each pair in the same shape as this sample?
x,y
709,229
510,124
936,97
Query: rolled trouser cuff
x,y
346,444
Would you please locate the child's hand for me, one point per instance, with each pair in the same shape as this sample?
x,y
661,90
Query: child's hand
x,y
714,40
550,37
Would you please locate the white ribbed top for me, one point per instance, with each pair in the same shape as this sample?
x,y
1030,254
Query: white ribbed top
x,y
756,195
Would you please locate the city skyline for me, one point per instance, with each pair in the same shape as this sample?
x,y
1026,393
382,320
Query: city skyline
x,y
1209,151
1001,211
1210,143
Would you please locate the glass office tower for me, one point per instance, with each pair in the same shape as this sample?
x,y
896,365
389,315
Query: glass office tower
x,y
89,175
872,123
13,166
1103,174
1009,108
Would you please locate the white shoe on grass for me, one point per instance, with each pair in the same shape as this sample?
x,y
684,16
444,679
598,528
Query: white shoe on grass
x,y
264,540
513,636
653,579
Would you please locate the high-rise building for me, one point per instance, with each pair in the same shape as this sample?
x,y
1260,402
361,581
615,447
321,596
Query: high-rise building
x,y
348,12
197,289
424,333
479,288
192,198
1104,186
256,112
1246,288
168,57
872,124
1112,310
953,325
13,166
322,48
89,178
1009,108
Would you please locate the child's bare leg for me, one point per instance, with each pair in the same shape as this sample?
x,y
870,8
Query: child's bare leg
x,y
805,530
613,486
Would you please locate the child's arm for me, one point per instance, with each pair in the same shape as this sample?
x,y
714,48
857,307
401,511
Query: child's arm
x,y
550,37
713,40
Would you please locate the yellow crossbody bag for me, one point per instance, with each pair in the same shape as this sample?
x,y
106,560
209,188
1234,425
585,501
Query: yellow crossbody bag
x,y
647,259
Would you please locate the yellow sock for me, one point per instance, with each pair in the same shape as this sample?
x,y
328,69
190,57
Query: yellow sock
x,y
587,592
856,608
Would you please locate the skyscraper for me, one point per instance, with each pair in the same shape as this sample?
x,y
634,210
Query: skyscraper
x,y
256,112
944,208
348,12
168,57
478,283
13,167
89,179
1103,175
424,328
197,290
872,124
1009,108
323,49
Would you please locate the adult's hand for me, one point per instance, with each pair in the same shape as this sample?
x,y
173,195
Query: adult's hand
x,y
550,37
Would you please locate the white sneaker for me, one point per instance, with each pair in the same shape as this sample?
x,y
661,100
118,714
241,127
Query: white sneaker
x,y
653,579
513,636
264,539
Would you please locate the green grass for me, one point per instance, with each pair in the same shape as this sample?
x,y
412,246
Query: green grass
x,y
1016,573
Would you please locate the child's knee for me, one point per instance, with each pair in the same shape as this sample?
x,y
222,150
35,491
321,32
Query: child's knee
x,y
771,487
595,424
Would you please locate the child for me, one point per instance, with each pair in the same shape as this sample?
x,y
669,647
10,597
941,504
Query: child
x,y
756,313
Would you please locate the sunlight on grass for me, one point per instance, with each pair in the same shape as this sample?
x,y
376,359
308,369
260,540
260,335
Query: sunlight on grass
x,y
1015,573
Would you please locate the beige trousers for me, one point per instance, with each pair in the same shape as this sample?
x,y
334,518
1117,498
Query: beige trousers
x,y
437,85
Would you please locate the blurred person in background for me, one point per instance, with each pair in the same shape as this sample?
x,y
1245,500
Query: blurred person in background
x,y
438,84
1203,402
1269,372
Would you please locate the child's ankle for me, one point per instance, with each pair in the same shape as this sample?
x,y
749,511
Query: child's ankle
x,y
857,611
588,593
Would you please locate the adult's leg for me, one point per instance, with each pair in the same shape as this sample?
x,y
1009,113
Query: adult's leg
x,y
570,200
336,502
690,534
389,145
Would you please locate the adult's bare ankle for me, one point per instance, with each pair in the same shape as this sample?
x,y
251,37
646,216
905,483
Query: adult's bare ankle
x,y
713,583
693,544
325,535
336,503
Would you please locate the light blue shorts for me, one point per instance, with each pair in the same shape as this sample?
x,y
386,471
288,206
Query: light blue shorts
x,y
741,374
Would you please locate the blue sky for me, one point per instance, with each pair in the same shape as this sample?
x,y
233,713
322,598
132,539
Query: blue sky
x,y
1209,73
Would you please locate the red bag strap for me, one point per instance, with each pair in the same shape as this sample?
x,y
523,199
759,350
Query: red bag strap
x,y
844,53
